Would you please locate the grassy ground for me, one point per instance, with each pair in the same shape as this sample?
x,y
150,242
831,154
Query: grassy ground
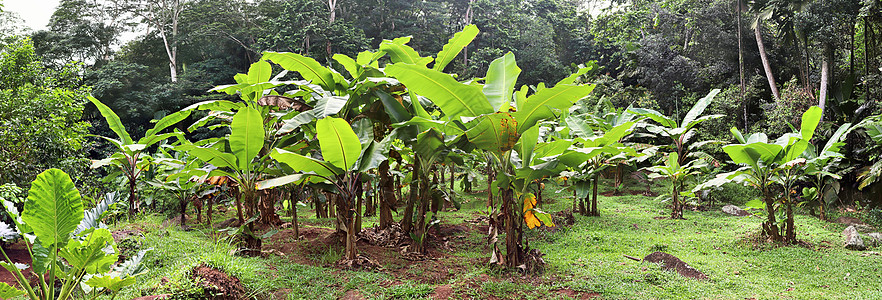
x,y
583,259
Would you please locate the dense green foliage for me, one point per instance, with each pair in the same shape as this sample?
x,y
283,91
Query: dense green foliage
x,y
342,106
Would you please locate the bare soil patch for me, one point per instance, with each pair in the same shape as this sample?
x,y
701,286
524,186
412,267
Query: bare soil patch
x,y
217,284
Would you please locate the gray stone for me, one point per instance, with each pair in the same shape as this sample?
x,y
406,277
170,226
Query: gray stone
x,y
874,239
735,211
853,239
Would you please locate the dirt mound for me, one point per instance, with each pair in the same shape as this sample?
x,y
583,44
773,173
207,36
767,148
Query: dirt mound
x,y
670,262
391,237
18,254
217,284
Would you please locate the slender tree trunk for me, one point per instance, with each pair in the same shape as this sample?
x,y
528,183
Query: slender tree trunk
x,y
594,211
133,197
766,65
741,64
183,211
209,205
490,178
825,77
791,230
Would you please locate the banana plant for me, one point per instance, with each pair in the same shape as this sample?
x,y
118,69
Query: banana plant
x,y
819,168
680,132
181,177
49,221
238,157
678,175
130,158
343,159
588,155
493,124
768,163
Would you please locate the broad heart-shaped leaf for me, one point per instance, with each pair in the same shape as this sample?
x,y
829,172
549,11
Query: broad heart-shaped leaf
x,y
539,106
260,71
54,208
810,120
655,116
454,98
308,68
305,164
495,132
112,121
111,282
92,217
340,146
454,46
89,254
246,136
500,81
9,292
699,107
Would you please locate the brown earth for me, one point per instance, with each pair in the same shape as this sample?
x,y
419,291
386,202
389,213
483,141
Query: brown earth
x,y
18,253
217,284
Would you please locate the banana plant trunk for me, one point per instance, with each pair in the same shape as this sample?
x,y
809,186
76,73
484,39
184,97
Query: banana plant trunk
x,y
514,255
770,227
407,220
133,196
790,233
677,209
594,211
346,222
420,232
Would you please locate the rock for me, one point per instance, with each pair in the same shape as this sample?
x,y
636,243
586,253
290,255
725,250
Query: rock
x,y
735,211
874,239
853,239
857,223
670,262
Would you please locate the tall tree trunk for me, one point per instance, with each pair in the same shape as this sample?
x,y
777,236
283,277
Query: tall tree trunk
x,y
420,230
766,65
741,64
825,77
490,179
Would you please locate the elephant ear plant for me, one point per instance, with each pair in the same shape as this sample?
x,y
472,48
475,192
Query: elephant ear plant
x,y
49,222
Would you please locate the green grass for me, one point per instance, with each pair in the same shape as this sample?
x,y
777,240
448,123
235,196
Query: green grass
x,y
586,257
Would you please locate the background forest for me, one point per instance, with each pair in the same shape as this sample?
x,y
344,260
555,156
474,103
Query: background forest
x,y
654,54
258,107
